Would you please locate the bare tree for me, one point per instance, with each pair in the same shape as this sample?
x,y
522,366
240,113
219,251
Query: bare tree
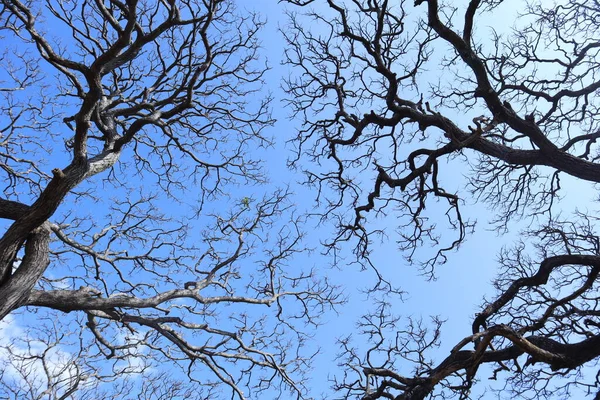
x,y
396,101
138,249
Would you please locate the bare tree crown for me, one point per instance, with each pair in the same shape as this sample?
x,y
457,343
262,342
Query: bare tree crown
x,y
396,100
125,126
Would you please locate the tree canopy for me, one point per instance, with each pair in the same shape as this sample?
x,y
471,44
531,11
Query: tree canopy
x,y
397,99
125,128
145,253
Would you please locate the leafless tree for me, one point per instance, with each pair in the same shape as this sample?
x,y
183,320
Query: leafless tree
x,y
397,100
138,250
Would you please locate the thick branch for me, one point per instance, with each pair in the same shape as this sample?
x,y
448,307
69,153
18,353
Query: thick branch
x,y
15,290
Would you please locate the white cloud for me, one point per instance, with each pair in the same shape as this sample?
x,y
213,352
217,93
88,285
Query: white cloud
x,y
21,359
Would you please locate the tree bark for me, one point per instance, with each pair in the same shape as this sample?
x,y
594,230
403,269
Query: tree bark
x,y
18,286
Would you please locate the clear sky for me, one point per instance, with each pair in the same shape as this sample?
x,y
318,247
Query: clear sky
x,y
461,283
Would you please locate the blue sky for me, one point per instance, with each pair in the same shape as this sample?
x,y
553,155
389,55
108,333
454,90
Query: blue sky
x,y
461,283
